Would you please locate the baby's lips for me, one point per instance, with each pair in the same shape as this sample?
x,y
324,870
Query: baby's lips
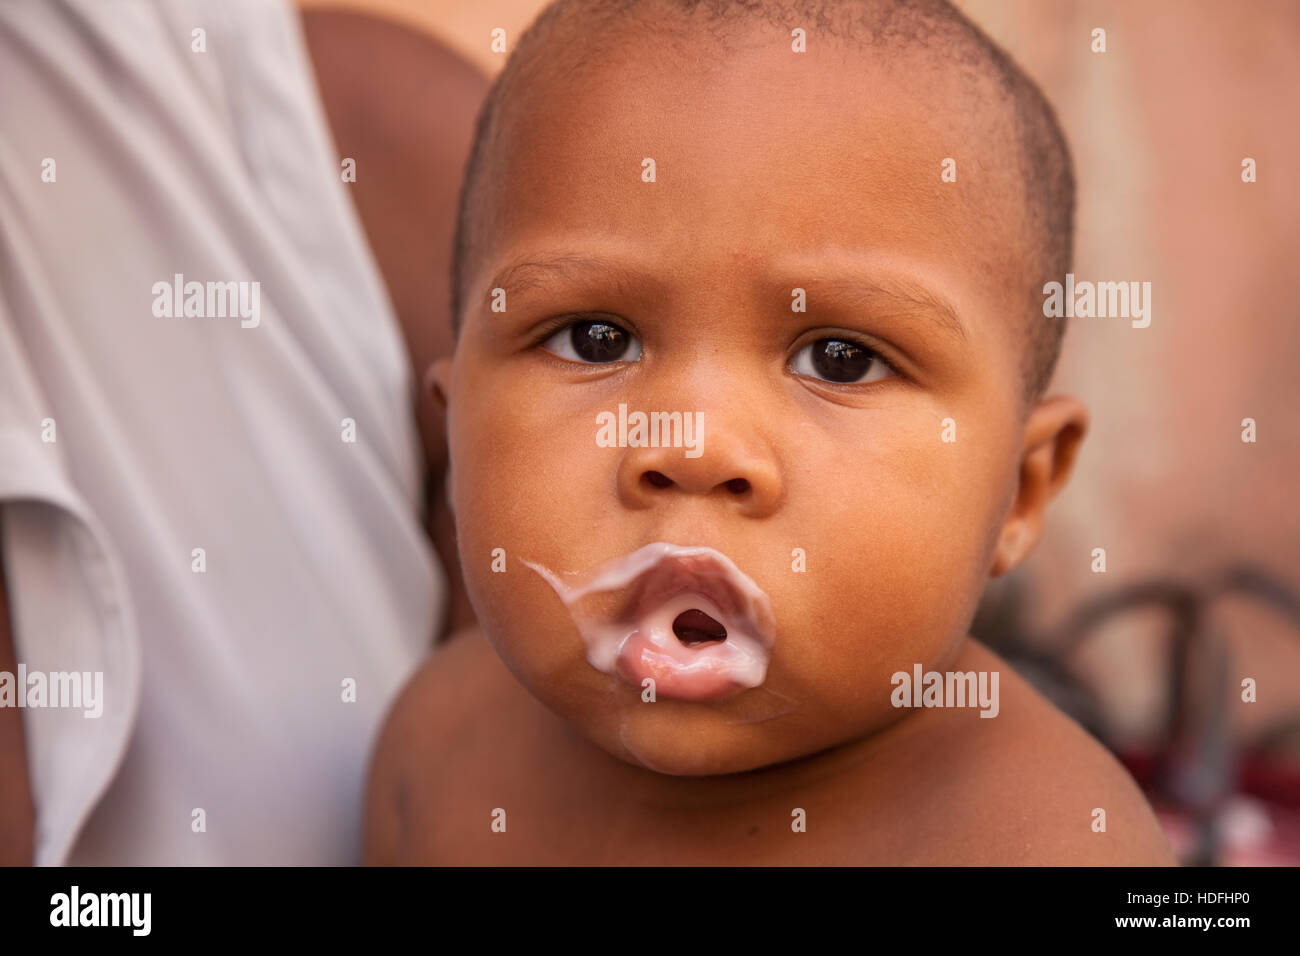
x,y
607,601
677,673
731,597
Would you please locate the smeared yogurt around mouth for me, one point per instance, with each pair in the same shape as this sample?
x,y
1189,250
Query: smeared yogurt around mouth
x,y
686,618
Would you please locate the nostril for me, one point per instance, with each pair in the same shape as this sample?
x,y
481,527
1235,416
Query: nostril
x,y
657,478
738,486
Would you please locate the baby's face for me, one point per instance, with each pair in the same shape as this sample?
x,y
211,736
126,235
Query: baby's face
x,y
823,471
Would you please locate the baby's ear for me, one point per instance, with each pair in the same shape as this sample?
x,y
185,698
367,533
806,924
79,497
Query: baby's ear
x,y
437,379
1053,433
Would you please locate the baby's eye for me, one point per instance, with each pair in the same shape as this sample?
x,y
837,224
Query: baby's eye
x,y
594,341
841,361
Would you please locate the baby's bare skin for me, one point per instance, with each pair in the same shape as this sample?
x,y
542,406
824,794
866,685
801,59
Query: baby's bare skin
x,y
940,787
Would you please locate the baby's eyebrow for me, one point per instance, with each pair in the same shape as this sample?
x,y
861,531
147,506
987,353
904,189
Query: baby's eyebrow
x,y
529,272
875,292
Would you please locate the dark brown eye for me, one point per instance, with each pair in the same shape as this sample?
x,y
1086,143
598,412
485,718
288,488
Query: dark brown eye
x,y
594,341
840,361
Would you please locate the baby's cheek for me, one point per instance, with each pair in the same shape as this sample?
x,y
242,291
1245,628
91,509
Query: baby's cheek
x,y
521,492
887,611
893,584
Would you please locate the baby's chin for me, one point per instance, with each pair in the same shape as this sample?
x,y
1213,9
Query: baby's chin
x,y
697,745
786,717
756,728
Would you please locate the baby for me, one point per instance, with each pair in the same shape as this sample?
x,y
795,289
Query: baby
x,y
746,408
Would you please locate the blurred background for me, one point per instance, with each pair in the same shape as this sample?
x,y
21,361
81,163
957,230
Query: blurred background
x,y
1201,530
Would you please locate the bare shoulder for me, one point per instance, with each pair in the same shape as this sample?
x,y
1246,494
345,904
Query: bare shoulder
x,y
446,724
1032,787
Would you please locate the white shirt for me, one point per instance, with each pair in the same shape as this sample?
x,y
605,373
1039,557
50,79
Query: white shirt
x,y
226,735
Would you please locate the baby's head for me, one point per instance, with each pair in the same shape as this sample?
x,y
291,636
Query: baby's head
x,y
819,232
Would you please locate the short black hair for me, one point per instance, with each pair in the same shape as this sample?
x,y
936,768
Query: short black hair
x,y
1046,171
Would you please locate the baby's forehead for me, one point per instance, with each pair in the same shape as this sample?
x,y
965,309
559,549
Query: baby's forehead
x,y
672,59
878,105
751,140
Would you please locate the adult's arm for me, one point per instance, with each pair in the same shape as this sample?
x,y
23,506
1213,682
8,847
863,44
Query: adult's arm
x,y
403,105
17,813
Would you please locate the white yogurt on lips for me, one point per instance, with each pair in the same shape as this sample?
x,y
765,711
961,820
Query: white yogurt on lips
x,y
631,634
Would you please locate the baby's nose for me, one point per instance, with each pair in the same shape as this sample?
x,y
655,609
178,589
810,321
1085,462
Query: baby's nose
x,y
727,468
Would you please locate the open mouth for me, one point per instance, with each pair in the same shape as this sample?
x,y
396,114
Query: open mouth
x,y
694,627
684,622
